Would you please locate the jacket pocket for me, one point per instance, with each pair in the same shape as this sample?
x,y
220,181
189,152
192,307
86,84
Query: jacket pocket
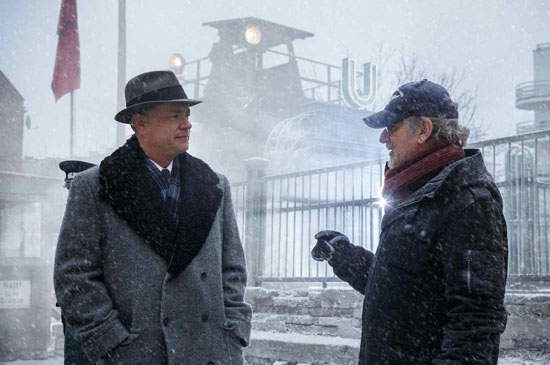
x,y
232,343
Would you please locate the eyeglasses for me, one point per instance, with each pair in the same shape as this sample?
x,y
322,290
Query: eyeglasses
x,y
393,127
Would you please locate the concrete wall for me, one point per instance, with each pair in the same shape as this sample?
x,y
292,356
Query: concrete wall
x,y
323,326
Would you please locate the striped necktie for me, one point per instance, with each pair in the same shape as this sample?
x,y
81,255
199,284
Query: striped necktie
x,y
165,173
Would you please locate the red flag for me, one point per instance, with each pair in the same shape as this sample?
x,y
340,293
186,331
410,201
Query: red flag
x,y
66,74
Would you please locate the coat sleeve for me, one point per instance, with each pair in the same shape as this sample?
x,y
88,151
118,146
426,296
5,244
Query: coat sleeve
x,y
81,293
475,266
352,265
237,312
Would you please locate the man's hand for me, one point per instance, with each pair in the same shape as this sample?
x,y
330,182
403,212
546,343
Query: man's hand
x,y
329,244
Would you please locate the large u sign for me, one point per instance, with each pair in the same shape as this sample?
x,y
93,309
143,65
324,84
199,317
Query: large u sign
x,y
352,96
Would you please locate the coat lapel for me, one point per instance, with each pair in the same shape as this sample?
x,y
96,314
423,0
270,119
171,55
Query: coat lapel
x,y
128,187
200,199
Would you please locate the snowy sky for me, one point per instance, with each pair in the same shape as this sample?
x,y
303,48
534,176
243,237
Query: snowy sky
x,y
492,40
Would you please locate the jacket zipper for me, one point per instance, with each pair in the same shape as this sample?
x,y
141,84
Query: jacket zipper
x,y
468,268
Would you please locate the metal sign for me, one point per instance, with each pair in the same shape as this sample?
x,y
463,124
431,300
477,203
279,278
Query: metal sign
x,y
352,96
15,294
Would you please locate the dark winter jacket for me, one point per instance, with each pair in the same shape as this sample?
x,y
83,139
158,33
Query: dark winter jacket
x,y
434,290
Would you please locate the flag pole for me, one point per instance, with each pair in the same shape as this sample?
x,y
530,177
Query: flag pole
x,y
121,72
73,120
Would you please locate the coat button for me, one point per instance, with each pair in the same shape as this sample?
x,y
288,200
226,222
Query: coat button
x,y
204,317
204,276
210,363
166,321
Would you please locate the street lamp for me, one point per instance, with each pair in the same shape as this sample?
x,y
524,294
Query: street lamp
x,y
253,35
176,63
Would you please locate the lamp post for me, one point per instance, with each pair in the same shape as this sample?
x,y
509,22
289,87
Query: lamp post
x,y
121,69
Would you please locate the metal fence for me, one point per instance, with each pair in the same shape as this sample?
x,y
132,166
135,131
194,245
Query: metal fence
x,y
521,168
298,205
345,198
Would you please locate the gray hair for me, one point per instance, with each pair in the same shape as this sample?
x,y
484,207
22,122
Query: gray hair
x,y
444,130
141,110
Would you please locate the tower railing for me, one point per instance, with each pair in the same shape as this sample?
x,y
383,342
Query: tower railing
x,y
321,81
532,92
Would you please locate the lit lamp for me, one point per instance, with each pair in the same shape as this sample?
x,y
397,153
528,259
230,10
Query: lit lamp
x,y
253,35
176,63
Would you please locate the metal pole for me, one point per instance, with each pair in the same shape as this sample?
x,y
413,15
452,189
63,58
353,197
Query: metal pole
x,y
121,70
73,119
255,206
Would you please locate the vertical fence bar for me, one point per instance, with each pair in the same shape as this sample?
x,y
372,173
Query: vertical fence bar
x,y
309,235
353,203
536,216
272,242
362,210
279,241
285,273
302,197
294,211
318,216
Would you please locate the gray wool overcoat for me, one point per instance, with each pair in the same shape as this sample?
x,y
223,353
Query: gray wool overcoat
x,y
122,300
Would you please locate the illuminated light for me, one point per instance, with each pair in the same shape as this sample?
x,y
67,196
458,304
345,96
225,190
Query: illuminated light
x,y
253,35
176,63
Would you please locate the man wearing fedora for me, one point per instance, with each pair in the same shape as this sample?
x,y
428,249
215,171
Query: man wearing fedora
x,y
434,289
149,267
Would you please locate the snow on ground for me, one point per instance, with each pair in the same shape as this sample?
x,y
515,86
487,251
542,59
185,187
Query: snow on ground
x,y
524,357
513,358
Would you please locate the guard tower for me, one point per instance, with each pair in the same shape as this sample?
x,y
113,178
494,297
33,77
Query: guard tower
x,y
247,68
262,100
535,95
254,82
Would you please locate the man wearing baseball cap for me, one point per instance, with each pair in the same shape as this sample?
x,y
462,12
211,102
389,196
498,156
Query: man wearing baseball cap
x,y
434,289
149,266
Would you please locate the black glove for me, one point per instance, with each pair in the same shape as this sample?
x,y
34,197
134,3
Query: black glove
x,y
330,244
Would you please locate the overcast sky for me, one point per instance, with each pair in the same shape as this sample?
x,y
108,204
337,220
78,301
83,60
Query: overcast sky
x,y
491,40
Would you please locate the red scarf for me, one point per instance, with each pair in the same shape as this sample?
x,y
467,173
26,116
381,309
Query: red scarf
x,y
402,181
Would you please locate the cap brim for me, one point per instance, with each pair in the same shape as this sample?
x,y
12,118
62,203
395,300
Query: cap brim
x,y
124,115
382,119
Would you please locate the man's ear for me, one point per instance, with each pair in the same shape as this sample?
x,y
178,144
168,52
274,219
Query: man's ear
x,y
138,123
426,130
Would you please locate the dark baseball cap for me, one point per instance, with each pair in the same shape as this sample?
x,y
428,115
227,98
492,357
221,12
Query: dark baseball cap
x,y
415,99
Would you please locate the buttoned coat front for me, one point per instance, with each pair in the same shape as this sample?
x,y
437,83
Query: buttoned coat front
x,y
121,297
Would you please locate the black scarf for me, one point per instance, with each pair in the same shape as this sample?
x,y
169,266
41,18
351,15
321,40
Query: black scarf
x,y
129,188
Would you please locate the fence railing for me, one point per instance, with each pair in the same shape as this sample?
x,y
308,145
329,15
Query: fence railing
x,y
296,206
291,208
520,166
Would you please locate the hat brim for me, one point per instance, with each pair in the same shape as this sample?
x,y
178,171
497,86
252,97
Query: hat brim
x,y
382,119
125,115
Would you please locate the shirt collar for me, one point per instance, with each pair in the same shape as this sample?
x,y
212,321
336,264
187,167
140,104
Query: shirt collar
x,y
169,167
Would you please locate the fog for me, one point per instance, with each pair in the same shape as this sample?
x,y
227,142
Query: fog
x,y
488,46
491,41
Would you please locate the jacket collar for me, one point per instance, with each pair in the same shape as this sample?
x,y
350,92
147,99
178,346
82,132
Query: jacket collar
x,y
469,170
127,185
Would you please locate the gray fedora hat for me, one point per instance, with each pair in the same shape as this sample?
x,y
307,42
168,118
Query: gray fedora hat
x,y
155,87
